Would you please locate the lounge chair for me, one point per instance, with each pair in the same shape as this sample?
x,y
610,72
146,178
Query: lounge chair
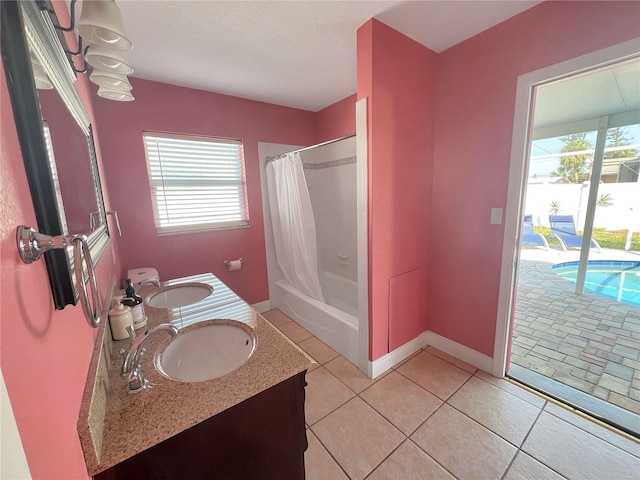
x,y
564,229
530,238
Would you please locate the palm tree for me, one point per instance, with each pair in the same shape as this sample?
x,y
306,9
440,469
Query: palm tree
x,y
575,168
605,200
616,137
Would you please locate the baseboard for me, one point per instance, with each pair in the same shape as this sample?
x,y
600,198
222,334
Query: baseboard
x,y
262,307
461,352
455,349
391,359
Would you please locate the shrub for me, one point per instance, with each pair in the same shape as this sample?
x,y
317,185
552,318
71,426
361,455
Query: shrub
x,y
614,239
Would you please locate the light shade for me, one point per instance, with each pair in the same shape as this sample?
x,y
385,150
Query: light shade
x,y
110,81
115,95
114,61
101,24
42,83
40,75
38,70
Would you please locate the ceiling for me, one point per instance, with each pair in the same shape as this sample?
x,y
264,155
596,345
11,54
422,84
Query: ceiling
x,y
299,54
604,91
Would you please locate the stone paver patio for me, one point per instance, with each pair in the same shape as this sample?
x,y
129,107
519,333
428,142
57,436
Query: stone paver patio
x,y
588,342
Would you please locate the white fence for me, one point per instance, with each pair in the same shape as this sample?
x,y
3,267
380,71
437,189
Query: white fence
x,y
622,214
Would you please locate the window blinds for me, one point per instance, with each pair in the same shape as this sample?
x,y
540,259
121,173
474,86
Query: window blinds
x,y
196,183
54,176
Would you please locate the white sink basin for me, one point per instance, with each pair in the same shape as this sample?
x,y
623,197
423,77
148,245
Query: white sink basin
x,y
206,352
180,295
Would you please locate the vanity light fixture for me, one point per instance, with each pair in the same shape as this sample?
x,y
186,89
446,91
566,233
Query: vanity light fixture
x,y
114,61
39,73
101,24
119,95
40,76
102,29
111,81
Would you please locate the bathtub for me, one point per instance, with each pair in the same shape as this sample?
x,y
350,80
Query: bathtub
x,y
340,292
336,328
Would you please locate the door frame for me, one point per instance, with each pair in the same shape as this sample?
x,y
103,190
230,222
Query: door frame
x,y
518,167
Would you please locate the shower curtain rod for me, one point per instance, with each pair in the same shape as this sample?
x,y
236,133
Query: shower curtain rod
x,y
275,157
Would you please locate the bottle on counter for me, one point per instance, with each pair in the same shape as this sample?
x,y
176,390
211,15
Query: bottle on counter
x,y
134,301
120,318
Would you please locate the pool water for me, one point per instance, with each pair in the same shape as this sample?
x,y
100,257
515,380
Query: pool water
x,y
617,280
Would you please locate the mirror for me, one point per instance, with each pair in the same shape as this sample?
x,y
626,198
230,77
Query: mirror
x,y
68,152
55,138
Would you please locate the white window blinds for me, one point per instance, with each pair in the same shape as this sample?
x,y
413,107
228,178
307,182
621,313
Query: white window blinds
x,y
196,183
54,176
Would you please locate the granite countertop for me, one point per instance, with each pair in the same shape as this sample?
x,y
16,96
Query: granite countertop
x,y
114,425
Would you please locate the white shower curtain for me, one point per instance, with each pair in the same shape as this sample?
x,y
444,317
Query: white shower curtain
x,y
294,227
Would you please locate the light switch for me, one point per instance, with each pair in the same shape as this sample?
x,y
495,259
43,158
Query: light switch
x,y
496,216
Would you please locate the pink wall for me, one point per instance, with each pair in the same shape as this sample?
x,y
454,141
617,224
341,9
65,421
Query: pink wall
x,y
337,120
44,353
398,76
475,90
166,108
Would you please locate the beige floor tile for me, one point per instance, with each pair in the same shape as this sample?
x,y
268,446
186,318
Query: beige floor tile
x,y
358,437
399,364
451,359
526,468
276,317
408,462
576,454
401,401
465,448
605,434
318,464
439,377
295,332
512,388
496,409
318,350
324,393
349,374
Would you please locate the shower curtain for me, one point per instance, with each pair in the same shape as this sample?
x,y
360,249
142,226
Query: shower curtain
x,y
294,227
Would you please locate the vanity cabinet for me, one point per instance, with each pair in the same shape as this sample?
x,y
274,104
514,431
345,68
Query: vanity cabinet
x,y
263,437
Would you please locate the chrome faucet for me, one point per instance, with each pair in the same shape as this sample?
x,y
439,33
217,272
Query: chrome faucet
x,y
151,281
131,366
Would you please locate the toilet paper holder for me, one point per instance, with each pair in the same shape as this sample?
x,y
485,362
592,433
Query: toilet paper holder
x,y
228,262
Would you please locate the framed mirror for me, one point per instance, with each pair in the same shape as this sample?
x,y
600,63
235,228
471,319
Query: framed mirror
x,y
55,137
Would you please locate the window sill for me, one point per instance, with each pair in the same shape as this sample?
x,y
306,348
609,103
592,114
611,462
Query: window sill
x,y
165,233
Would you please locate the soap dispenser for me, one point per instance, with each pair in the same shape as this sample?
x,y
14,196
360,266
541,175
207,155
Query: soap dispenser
x,y
134,301
120,318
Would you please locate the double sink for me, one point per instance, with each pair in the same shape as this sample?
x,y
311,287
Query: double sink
x,y
205,350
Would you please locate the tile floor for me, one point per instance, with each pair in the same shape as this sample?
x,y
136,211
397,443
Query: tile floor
x,y
435,417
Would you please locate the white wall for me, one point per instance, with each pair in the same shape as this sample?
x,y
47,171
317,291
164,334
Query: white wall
x,y
13,462
622,215
333,192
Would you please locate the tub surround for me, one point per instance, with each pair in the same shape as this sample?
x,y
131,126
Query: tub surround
x,y
336,328
114,425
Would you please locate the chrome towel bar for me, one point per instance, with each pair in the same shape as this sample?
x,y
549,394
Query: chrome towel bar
x,y
32,245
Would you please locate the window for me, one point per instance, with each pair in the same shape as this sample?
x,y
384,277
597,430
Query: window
x,y
54,176
197,183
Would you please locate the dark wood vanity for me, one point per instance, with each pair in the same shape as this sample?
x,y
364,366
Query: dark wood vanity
x,y
263,437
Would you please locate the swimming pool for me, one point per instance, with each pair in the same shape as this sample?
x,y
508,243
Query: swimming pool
x,y
619,280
